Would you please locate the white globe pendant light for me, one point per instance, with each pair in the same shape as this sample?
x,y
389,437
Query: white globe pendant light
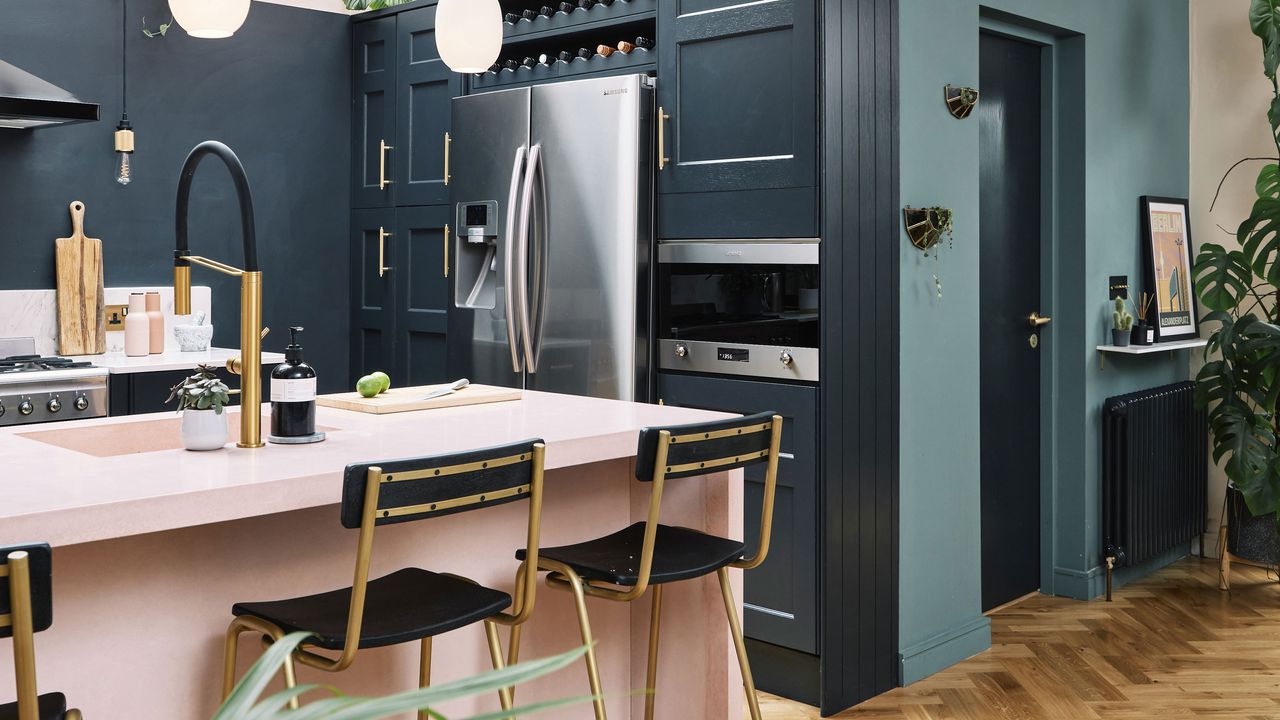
x,y
210,18
469,34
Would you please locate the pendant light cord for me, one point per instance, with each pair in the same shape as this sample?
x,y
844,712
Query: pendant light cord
x,y
124,56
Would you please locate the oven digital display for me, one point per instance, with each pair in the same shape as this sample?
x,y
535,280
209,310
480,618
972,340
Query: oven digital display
x,y
733,354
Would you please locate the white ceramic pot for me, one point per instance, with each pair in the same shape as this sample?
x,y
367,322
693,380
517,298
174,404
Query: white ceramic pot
x,y
203,430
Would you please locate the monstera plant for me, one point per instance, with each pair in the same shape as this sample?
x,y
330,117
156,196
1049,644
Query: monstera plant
x,y
1240,288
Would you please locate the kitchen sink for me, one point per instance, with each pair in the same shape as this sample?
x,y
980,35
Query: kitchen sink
x,y
132,438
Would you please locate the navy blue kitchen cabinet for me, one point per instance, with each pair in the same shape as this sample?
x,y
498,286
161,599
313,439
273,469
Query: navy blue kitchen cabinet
x,y
422,292
146,392
373,291
373,114
738,82
780,598
425,88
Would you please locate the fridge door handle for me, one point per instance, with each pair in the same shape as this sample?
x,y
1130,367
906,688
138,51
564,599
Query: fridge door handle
x,y
542,268
508,260
522,256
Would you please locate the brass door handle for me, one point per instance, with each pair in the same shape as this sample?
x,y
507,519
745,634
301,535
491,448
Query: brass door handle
x,y
1038,322
663,117
382,252
446,250
383,147
447,142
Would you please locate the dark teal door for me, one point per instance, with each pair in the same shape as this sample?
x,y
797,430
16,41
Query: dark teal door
x,y
1009,115
373,115
424,93
739,82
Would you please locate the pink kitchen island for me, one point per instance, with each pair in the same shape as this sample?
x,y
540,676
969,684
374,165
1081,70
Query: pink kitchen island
x,y
153,545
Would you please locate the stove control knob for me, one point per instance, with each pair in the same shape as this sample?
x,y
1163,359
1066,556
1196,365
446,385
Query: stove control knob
x,y
786,359
682,350
26,408
82,403
1,409
54,405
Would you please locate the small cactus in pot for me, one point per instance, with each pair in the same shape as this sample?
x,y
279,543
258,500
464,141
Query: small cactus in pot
x,y
1121,324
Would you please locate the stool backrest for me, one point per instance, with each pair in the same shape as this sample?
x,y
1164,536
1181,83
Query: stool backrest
x,y
26,608
396,491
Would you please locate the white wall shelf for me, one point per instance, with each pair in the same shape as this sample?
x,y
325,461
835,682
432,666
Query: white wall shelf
x,y
1154,347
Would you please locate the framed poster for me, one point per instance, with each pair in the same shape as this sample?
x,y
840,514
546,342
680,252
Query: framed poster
x,y
1166,252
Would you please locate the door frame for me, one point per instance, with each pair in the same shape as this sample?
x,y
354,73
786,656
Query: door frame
x,y
1062,274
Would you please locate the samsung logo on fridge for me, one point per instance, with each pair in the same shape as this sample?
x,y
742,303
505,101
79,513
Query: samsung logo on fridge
x,y
618,91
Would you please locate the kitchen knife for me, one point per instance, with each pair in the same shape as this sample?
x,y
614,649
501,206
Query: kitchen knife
x,y
449,390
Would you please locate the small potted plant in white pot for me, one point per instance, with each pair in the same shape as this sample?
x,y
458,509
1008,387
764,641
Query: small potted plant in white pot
x,y
201,399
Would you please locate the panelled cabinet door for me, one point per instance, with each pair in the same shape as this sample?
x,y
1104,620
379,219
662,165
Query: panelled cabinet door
x,y
422,294
373,117
374,276
780,598
739,84
424,94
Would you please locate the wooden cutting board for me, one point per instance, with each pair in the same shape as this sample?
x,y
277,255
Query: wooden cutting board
x,y
398,400
81,326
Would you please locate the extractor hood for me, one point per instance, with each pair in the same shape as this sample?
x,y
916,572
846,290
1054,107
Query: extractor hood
x,y
26,101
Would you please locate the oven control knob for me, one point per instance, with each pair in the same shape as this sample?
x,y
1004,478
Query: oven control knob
x,y
1,409
681,350
786,358
54,405
26,408
82,403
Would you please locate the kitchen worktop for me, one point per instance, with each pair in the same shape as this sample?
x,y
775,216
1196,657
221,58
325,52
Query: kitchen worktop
x,y
129,476
120,364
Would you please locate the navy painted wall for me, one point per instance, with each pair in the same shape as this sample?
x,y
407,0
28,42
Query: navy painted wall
x,y
278,93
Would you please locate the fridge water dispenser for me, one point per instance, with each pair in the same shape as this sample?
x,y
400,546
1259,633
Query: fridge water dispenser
x,y
476,254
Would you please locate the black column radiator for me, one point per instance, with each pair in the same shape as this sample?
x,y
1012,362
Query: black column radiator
x,y
1155,470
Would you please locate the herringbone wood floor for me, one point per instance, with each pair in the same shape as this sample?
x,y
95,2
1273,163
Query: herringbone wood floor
x,y
1171,645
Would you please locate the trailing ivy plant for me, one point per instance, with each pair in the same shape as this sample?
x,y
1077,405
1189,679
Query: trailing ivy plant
x,y
1240,288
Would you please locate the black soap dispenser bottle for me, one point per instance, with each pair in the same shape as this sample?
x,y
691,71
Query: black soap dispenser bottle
x,y
293,397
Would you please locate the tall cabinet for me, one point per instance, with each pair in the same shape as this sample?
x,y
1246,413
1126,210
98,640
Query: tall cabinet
x,y
400,220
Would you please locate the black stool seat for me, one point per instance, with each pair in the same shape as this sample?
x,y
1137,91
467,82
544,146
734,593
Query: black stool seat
x,y
51,706
678,554
406,605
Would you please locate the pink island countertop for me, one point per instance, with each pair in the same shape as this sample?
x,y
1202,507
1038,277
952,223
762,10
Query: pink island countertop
x,y
92,480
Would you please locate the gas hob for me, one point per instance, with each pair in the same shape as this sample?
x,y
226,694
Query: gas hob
x,y
36,389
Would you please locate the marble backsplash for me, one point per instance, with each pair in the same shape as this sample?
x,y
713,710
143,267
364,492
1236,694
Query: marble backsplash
x,y
34,313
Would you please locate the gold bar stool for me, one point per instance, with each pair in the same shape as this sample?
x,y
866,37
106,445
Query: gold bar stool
x,y
26,608
622,566
410,604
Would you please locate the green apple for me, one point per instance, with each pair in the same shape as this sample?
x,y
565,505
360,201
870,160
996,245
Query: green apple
x,y
368,386
384,378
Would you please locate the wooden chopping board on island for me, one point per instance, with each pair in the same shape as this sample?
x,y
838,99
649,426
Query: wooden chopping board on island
x,y
81,328
406,399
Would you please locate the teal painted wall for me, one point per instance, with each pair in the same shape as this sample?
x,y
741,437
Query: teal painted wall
x,y
1124,135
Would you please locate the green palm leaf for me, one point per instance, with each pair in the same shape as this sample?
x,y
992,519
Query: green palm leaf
x,y
1222,277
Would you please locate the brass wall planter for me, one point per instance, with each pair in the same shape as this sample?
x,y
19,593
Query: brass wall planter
x,y
960,100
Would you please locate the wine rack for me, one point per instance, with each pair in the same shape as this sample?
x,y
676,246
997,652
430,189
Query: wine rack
x,y
612,38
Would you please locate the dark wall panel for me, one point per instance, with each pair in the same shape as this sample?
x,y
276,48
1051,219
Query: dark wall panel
x,y
859,396
278,93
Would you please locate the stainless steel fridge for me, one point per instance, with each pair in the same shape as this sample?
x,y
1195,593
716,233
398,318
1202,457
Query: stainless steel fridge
x,y
553,191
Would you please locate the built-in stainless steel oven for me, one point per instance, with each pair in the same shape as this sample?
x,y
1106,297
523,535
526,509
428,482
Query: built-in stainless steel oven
x,y
740,307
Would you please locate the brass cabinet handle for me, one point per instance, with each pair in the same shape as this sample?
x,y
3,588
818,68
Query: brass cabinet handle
x,y
447,142
1038,322
383,147
663,117
382,252
446,250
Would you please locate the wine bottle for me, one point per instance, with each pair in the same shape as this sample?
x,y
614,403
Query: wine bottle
x,y
644,43
511,64
529,62
511,18
566,8
585,4
495,68
605,50
530,15
547,11
625,47
566,56
585,54
544,59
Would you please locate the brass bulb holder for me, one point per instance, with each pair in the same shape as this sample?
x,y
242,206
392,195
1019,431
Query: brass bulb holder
x,y
124,140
